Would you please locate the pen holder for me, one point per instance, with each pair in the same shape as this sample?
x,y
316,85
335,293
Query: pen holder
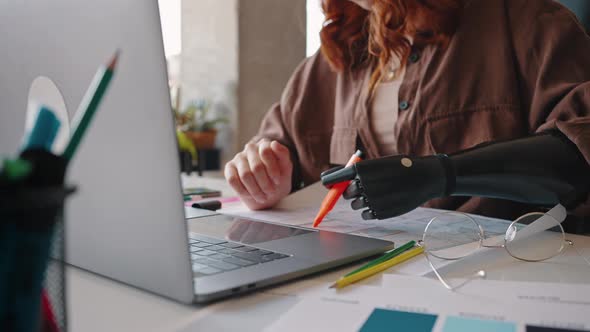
x,y
32,276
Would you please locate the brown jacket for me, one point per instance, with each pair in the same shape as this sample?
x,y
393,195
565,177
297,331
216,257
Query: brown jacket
x,y
513,68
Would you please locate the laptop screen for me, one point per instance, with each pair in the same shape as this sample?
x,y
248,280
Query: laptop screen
x,y
242,230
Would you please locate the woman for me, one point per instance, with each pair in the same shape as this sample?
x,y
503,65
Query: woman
x,y
421,77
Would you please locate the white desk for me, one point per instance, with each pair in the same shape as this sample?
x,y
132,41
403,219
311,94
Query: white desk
x,y
99,304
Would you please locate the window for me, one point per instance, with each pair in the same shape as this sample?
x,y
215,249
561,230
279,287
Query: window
x,y
315,20
170,17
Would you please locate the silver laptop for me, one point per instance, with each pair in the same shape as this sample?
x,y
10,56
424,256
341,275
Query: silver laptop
x,y
127,220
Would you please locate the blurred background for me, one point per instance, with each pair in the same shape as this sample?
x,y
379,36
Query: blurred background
x,y
228,62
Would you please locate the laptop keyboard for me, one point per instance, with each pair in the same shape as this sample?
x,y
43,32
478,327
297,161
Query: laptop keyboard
x,y
212,256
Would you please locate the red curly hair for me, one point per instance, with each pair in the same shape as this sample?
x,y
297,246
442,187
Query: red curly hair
x,y
354,38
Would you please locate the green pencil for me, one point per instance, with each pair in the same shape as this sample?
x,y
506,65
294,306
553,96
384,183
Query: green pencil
x,y
16,169
89,105
385,257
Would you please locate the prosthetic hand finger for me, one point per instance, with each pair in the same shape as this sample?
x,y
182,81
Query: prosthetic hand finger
x,y
331,170
353,190
337,176
368,215
359,203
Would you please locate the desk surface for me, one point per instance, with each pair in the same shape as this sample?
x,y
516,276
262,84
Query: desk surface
x,y
99,304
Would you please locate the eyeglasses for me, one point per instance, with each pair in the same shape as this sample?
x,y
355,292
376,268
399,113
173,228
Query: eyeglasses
x,y
533,237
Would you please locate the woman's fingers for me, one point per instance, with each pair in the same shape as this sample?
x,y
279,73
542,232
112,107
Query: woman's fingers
x,y
248,179
283,156
259,170
261,173
270,161
233,178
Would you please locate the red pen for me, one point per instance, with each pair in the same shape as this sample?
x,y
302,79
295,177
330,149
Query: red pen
x,y
48,316
335,192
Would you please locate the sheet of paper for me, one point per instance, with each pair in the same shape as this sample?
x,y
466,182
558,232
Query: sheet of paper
x,y
508,306
322,315
301,207
534,292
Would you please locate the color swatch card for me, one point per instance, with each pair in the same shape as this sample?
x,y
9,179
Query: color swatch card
x,y
382,320
416,304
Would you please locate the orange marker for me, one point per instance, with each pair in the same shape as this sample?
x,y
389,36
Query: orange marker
x,y
335,192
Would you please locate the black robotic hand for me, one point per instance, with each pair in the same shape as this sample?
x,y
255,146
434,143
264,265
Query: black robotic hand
x,y
394,185
544,169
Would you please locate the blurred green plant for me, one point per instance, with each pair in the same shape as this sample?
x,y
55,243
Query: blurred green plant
x,y
186,144
197,117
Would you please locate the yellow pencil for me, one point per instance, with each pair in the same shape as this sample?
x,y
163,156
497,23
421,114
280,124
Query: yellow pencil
x,y
345,281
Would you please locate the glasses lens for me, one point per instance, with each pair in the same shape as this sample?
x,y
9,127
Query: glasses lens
x,y
452,236
534,237
446,239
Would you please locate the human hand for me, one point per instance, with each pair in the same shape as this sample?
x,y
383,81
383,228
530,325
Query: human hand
x,y
261,173
391,186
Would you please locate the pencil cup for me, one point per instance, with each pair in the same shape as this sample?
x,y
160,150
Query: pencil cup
x,y
32,278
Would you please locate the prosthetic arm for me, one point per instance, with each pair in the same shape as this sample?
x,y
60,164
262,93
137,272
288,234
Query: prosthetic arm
x,y
543,170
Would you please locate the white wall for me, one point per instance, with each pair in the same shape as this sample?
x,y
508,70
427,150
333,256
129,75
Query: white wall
x,y
272,44
210,48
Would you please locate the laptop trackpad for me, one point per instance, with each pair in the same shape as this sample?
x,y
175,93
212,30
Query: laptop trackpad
x,y
246,231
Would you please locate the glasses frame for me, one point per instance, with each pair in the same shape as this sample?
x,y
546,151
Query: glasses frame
x,y
481,274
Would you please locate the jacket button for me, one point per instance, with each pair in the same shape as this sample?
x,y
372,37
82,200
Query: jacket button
x,y
414,57
404,105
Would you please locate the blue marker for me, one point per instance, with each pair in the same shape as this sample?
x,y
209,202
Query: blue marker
x,y
44,131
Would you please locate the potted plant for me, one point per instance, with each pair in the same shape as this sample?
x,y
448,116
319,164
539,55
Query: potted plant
x,y
197,122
